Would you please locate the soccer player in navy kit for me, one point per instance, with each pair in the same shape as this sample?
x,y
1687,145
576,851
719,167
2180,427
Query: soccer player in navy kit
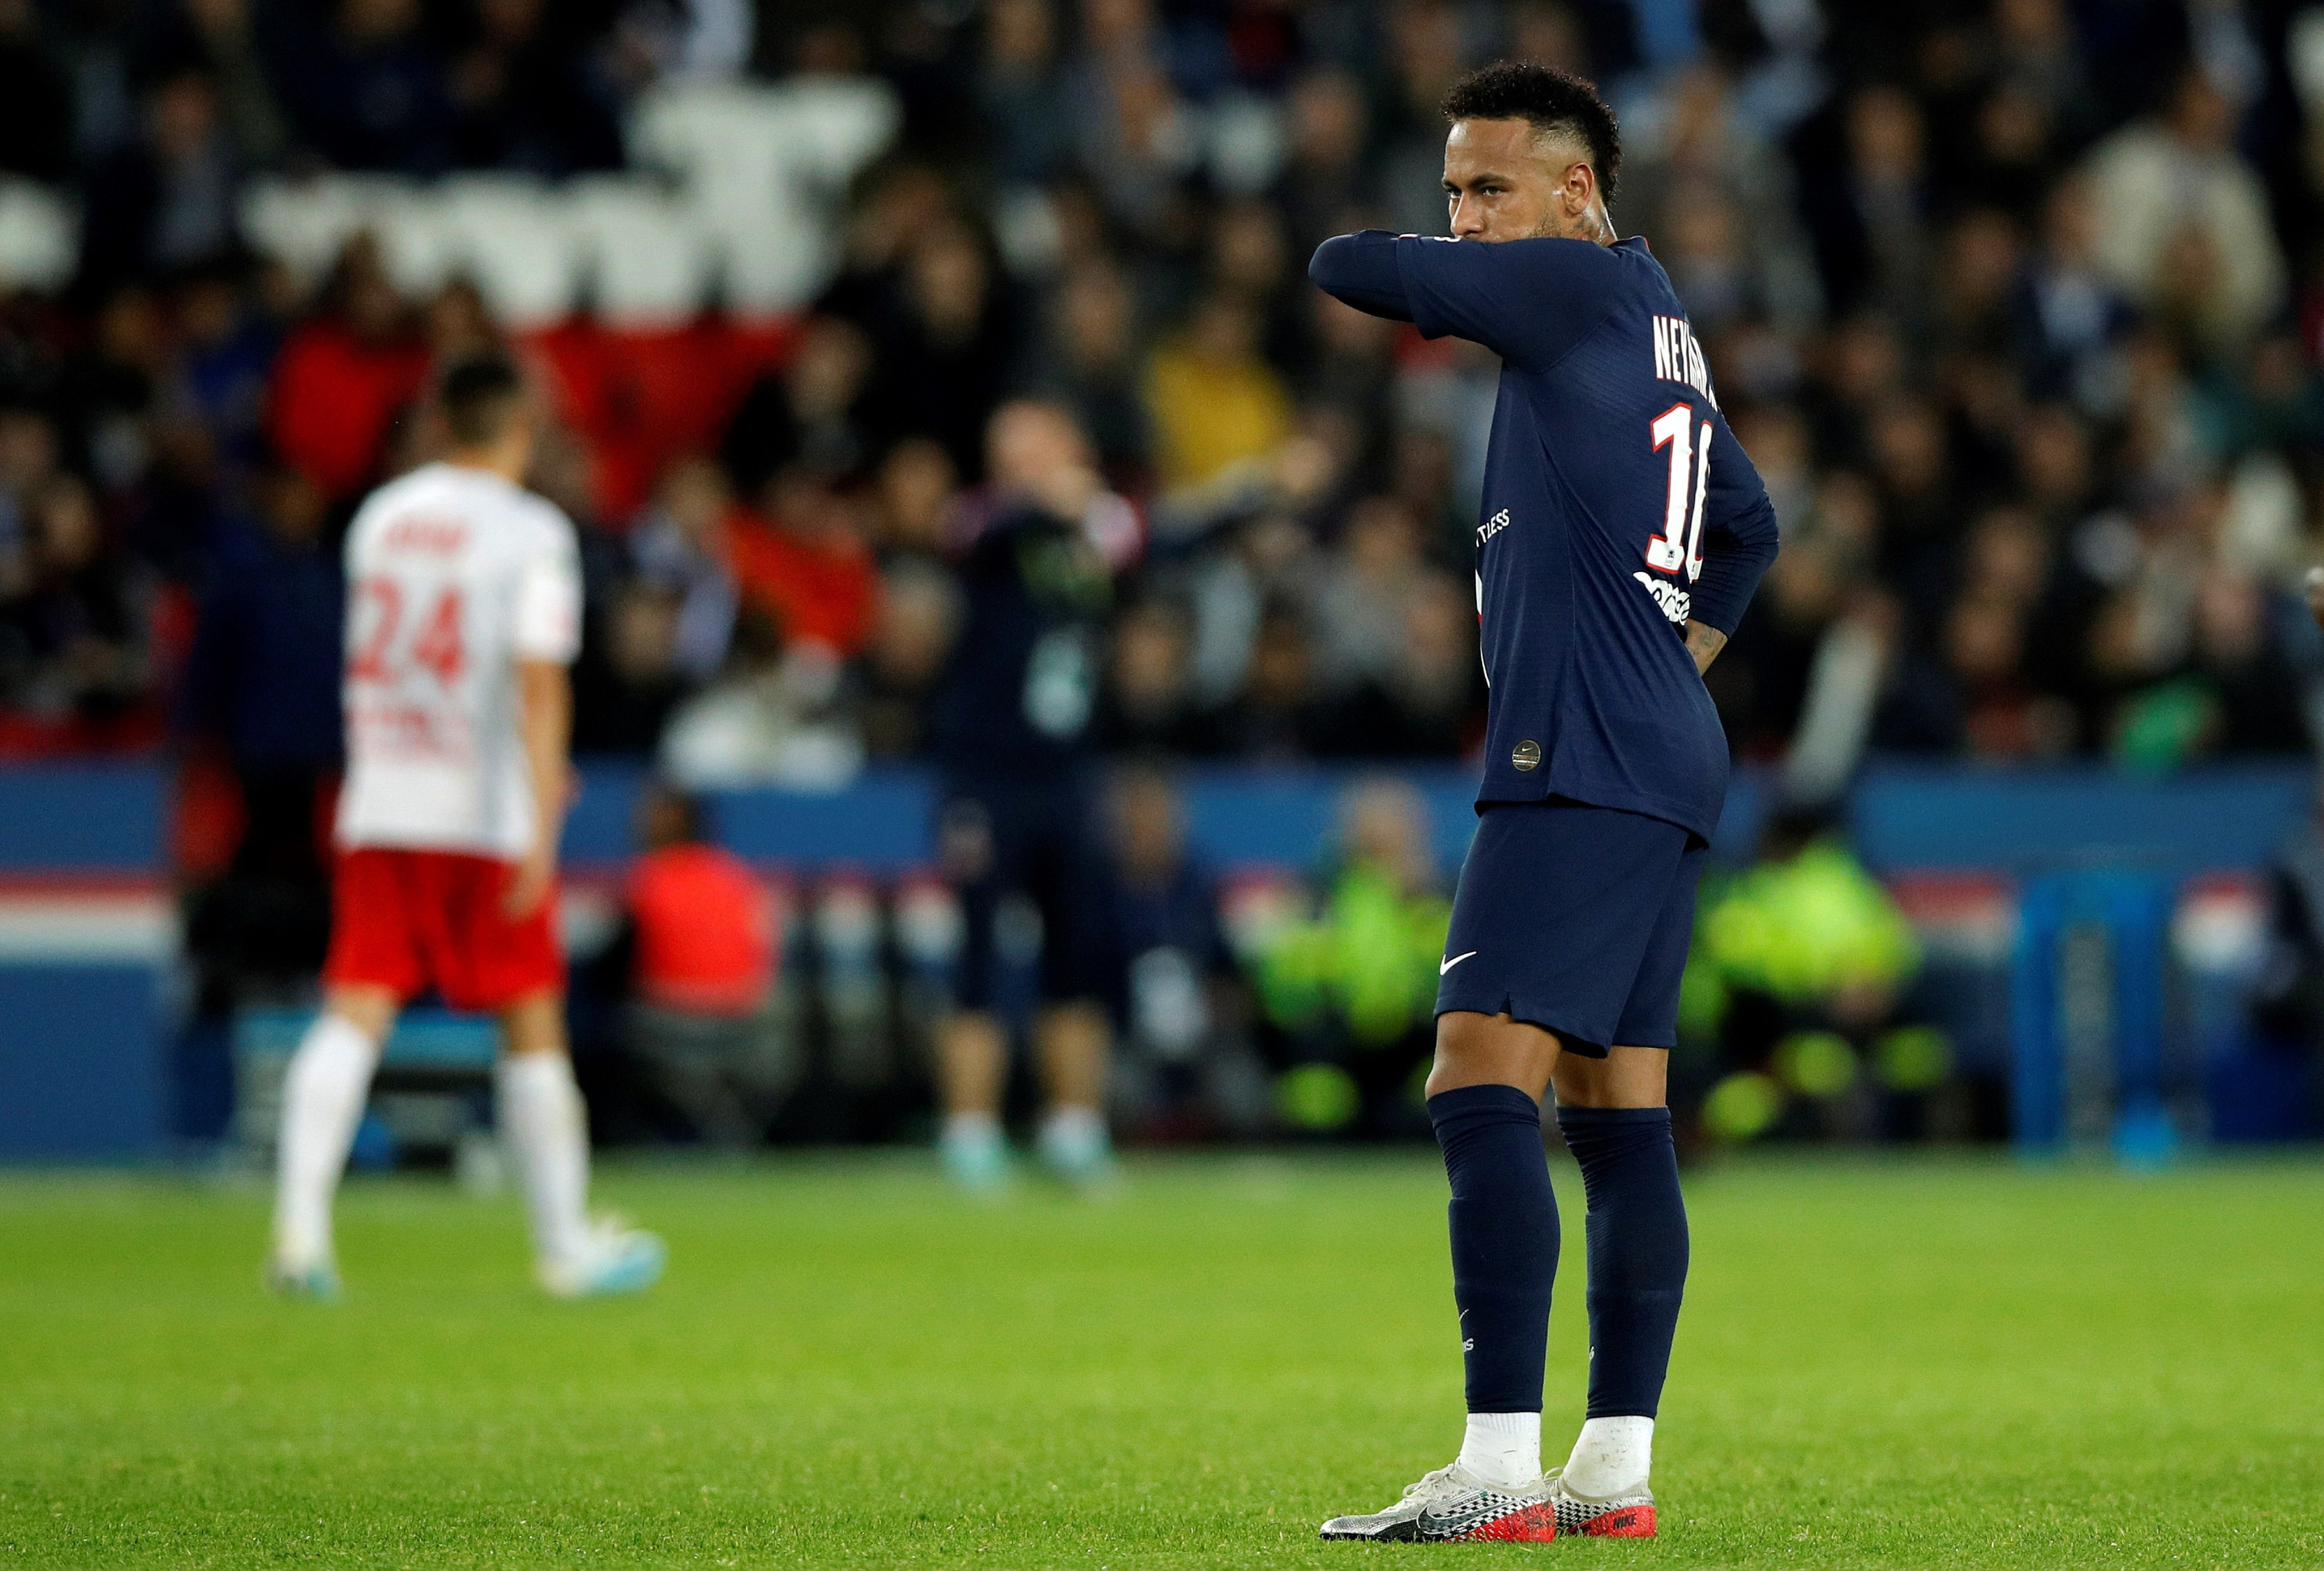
x,y
1621,535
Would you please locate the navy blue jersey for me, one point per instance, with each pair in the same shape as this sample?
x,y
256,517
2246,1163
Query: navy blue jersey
x,y
1618,506
1016,696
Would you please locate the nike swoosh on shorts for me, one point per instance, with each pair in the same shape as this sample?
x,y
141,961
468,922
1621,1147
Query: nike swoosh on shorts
x,y
1444,967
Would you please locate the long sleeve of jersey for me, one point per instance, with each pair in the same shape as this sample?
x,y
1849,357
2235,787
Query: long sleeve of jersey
x,y
1361,269
1740,539
1527,300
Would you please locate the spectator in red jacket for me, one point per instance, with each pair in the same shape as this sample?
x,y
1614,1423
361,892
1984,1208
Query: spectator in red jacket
x,y
344,377
803,563
704,943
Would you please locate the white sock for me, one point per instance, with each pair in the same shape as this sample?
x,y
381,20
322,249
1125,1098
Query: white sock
x,y
970,1128
1611,1456
1503,1449
322,1102
547,1129
1074,1132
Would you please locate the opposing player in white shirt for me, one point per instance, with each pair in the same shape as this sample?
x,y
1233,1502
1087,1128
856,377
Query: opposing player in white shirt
x,y
464,614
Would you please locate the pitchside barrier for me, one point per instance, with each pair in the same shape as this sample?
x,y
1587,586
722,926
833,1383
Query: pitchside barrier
x,y
2090,936
2139,922
432,1094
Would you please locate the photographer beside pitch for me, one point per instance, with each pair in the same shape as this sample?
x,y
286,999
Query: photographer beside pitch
x,y
1623,532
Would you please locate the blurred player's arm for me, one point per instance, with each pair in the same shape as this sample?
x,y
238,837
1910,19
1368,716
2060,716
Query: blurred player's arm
x,y
1739,541
2316,594
545,724
1527,300
547,638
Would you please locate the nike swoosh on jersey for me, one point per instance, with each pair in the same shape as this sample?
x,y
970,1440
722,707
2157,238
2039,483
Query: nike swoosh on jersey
x,y
1445,966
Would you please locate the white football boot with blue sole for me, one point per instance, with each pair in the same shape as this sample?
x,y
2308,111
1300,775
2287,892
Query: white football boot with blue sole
x,y
976,1160
1080,1155
619,1260
315,1280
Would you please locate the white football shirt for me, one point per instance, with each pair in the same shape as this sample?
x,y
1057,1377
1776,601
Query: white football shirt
x,y
453,575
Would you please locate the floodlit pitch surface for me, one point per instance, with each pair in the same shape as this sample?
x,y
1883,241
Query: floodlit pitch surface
x,y
1940,1363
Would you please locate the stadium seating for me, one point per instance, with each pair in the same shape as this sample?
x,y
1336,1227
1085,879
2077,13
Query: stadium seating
x,y
645,254
515,238
737,208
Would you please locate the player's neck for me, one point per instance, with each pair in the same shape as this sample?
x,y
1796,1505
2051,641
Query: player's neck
x,y
1592,224
490,461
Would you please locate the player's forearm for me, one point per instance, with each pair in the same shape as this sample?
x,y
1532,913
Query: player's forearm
x,y
1703,642
1740,535
546,725
1742,548
1361,269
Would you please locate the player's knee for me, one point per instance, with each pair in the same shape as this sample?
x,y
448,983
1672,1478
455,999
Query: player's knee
x,y
1624,1078
1077,1017
535,1024
370,1010
1482,1049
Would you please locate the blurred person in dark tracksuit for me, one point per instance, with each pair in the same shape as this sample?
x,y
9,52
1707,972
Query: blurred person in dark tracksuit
x,y
699,947
262,680
1009,726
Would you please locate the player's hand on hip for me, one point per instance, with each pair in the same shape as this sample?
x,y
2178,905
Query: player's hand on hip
x,y
530,886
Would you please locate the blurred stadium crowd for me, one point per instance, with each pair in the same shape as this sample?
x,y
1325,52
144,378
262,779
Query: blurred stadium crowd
x,y
2018,305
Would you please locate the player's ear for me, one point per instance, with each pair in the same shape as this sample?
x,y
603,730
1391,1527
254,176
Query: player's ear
x,y
1581,185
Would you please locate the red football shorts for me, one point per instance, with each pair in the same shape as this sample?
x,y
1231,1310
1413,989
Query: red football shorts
x,y
402,919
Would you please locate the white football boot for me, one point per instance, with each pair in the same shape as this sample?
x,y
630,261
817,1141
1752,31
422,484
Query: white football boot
x,y
618,1258
318,1279
1628,1515
1454,1505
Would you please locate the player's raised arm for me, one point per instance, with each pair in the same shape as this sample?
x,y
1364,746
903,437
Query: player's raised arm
x,y
1360,270
1524,270
1528,301
1739,542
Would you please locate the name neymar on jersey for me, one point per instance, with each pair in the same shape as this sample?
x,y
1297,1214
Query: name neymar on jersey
x,y
1678,357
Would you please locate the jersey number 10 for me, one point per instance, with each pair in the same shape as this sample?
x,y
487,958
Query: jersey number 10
x,y
1680,544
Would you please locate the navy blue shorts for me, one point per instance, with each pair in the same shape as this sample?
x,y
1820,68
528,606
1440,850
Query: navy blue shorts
x,y
1574,919
1034,837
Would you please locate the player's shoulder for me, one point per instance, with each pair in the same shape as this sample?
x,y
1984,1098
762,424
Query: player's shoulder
x,y
1585,271
1637,263
546,526
391,494
408,493
522,520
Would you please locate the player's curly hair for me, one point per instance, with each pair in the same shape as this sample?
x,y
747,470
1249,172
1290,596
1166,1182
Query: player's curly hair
x,y
1558,103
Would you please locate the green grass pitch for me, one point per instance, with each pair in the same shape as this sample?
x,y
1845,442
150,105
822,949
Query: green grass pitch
x,y
1912,1364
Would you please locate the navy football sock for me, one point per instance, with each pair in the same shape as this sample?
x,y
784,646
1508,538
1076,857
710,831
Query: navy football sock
x,y
1636,1231
1504,1220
